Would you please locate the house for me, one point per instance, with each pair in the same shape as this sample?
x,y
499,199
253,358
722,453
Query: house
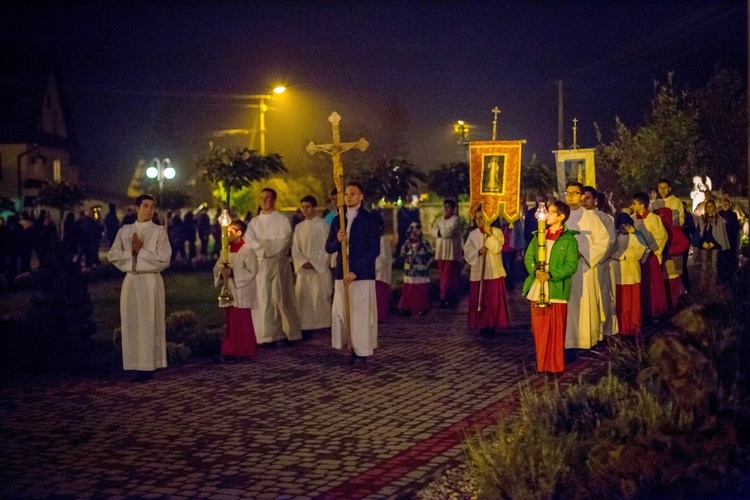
x,y
36,140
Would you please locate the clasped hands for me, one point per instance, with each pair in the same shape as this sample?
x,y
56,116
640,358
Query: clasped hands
x,y
135,244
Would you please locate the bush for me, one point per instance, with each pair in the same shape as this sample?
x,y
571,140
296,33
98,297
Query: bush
x,y
206,343
177,353
181,326
675,424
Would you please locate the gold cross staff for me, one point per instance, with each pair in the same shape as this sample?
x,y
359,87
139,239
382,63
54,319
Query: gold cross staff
x,y
495,111
335,151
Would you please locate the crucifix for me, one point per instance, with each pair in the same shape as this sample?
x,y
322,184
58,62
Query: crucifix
x,y
335,149
575,133
495,111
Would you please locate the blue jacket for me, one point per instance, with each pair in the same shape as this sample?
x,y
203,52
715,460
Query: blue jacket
x,y
364,245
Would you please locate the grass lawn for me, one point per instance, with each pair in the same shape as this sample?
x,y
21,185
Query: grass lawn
x,y
194,291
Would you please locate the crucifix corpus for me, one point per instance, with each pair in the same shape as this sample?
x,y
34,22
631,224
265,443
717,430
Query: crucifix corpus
x,y
335,151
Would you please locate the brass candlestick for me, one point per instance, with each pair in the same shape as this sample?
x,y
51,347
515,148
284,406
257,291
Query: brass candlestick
x,y
225,297
541,260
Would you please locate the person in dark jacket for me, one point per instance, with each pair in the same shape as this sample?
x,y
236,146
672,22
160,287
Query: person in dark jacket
x,y
111,223
361,232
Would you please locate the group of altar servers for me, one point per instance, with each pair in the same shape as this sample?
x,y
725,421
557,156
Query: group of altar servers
x,y
280,308
603,274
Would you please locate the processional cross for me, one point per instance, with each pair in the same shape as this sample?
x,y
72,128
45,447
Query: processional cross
x,y
335,151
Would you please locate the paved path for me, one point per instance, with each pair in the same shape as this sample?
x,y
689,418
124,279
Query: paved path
x,y
294,423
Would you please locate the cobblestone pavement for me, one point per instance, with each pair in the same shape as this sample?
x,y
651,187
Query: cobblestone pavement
x,y
293,423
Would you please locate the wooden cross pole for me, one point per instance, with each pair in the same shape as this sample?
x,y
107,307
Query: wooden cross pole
x,y
487,227
335,149
495,111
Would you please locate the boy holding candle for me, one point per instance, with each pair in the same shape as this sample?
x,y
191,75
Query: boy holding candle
x,y
237,267
551,260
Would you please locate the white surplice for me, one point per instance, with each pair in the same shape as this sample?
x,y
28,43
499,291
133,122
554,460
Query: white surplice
x,y
447,234
276,317
242,282
384,262
493,267
142,308
585,313
313,286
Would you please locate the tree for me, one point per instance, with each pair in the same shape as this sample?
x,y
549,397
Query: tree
x,y
722,121
536,177
62,196
238,168
668,145
449,180
388,179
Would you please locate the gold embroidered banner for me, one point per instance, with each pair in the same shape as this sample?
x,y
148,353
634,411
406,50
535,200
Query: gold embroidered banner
x,y
575,165
495,178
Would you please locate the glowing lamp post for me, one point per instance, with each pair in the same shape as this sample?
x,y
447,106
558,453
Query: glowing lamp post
x,y
541,235
263,108
224,219
160,170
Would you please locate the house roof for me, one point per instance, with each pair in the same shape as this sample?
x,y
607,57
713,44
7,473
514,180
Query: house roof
x,y
24,83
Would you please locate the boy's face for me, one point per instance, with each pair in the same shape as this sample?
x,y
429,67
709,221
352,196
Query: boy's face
x,y
234,234
308,210
637,207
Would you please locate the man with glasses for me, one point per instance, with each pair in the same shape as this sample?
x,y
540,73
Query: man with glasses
x,y
585,314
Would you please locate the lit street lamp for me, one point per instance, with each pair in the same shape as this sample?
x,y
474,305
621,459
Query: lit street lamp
x,y
160,170
263,108
462,129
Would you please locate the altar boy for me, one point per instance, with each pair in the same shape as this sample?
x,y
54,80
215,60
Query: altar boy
x,y
238,340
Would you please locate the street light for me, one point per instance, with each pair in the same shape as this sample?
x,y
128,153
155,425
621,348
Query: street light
x,y
263,108
462,128
160,170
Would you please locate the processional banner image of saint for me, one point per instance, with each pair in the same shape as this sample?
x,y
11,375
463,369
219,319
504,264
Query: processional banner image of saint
x,y
575,165
495,178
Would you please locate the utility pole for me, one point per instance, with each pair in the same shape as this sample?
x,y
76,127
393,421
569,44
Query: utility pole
x,y
560,144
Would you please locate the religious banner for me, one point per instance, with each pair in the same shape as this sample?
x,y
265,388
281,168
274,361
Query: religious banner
x,y
495,178
575,165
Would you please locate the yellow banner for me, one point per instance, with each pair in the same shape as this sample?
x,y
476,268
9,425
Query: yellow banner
x,y
575,165
495,178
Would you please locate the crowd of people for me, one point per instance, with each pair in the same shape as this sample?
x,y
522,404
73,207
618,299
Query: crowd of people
x,y
606,271
610,272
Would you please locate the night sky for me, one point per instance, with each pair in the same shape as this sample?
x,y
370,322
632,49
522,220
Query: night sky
x,y
145,79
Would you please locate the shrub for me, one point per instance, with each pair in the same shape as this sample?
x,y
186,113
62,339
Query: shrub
x,y
181,326
206,343
177,353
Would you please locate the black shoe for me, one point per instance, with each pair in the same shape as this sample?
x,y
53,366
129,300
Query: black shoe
x,y
487,332
424,313
142,376
227,359
352,360
443,304
405,314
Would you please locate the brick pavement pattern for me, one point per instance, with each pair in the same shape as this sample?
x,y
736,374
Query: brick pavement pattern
x,y
294,423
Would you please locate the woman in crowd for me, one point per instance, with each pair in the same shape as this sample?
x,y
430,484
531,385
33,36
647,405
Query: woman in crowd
x,y
712,239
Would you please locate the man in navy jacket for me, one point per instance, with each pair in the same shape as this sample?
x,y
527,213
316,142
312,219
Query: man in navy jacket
x,y
362,233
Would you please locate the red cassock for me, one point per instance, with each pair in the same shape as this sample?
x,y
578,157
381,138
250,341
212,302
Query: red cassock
x,y
548,327
629,309
239,334
494,313
450,274
653,293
